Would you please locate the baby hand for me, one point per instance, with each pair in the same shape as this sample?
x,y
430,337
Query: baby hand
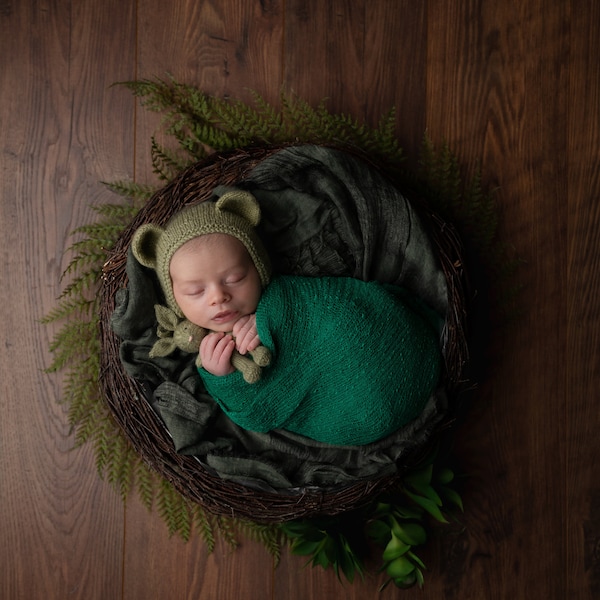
x,y
216,350
245,333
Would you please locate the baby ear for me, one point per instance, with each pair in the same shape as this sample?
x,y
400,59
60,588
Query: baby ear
x,y
144,244
241,203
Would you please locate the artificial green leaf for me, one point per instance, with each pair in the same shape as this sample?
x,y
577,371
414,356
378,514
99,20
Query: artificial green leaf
x,y
416,559
412,534
395,548
302,547
406,513
382,508
407,581
445,476
320,559
431,507
425,489
452,496
420,478
347,564
378,531
400,567
330,548
302,529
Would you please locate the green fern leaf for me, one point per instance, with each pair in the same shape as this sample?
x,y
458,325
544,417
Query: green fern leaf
x,y
145,481
226,528
269,535
119,464
174,510
132,190
204,525
68,308
165,163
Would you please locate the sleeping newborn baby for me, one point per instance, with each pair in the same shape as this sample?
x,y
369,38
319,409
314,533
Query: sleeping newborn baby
x,y
350,361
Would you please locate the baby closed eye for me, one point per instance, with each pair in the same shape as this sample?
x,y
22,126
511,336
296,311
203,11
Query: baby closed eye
x,y
194,292
233,279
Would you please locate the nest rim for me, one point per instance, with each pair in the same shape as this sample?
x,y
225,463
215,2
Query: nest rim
x,y
143,428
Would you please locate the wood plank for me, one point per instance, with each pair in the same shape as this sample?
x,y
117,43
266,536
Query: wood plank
x,y
363,59
62,527
324,54
228,49
176,569
500,68
582,524
394,68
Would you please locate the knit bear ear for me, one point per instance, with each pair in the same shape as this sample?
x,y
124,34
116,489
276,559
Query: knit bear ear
x,y
145,243
241,203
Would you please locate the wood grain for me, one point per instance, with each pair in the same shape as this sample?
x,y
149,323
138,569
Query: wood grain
x,y
582,364
224,48
62,528
511,86
176,569
493,116
324,53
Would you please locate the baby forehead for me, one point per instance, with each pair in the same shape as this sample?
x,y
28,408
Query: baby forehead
x,y
214,252
221,242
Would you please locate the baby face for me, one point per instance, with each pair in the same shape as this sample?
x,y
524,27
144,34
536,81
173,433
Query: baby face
x,y
215,281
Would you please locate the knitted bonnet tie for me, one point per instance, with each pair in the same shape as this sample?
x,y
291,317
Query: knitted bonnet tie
x,y
235,213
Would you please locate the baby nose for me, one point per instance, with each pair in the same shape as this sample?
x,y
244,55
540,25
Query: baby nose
x,y
219,295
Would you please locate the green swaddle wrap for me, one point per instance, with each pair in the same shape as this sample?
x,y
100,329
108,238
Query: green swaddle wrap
x,y
352,362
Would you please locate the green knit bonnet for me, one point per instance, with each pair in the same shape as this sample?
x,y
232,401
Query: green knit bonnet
x,y
235,213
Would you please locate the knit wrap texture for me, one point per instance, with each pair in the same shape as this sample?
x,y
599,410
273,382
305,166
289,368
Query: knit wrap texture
x,y
235,213
353,361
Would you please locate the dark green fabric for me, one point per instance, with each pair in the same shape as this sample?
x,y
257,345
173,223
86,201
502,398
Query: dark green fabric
x,y
355,361
327,213
324,213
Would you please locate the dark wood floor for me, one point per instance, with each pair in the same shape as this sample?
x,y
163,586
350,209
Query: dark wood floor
x,y
513,85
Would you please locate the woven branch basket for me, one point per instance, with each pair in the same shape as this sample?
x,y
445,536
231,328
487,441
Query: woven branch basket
x,y
128,399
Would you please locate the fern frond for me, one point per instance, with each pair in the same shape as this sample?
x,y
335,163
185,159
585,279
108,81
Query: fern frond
x,y
132,190
83,261
385,143
166,164
270,118
155,95
174,510
83,395
306,123
81,284
244,122
101,432
118,214
73,340
73,306
204,524
269,535
214,137
226,527
480,215
440,174
119,466
106,232
145,481
91,421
